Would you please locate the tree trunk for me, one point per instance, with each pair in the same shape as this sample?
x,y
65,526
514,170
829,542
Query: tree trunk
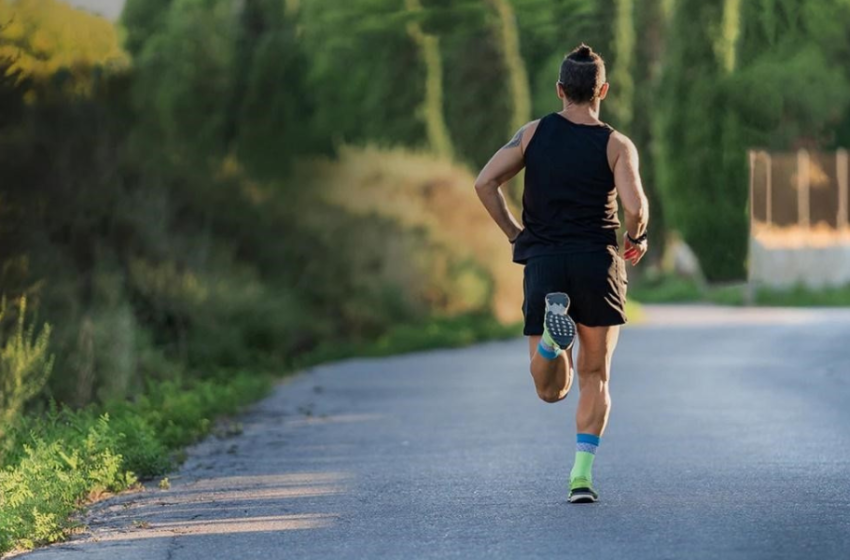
x,y
518,87
431,111
622,104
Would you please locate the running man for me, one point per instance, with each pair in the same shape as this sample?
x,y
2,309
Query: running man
x,y
575,280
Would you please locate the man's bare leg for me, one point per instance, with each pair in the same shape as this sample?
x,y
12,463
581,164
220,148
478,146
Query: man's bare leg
x,y
552,378
596,347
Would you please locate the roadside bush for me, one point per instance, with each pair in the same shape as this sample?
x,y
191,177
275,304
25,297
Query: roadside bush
x,y
419,231
58,461
50,479
24,365
225,316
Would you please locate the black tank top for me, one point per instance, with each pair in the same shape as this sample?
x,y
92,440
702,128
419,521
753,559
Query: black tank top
x,y
570,201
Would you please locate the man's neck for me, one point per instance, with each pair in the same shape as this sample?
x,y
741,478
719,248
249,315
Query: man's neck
x,y
586,113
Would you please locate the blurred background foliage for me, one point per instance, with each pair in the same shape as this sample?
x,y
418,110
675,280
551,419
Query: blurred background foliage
x,y
209,185
208,190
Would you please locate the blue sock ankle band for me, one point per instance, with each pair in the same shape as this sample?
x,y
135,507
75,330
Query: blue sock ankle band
x,y
547,352
587,443
587,438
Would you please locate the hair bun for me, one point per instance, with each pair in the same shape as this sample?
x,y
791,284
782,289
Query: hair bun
x,y
584,51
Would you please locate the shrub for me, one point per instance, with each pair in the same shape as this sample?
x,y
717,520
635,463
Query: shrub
x,y
39,493
24,366
58,461
416,229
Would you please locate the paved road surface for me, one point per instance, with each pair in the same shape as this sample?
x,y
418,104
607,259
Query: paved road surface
x,y
730,438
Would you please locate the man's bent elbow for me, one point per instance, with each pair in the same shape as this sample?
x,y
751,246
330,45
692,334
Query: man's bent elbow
x,y
483,186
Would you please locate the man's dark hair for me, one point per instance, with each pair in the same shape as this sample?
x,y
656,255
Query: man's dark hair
x,y
582,74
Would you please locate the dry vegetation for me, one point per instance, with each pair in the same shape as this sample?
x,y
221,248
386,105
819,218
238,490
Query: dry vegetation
x,y
468,265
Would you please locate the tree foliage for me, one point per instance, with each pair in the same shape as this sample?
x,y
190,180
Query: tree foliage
x,y
48,39
185,71
167,224
365,71
764,76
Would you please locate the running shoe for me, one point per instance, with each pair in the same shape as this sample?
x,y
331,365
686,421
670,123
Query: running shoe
x,y
559,326
582,492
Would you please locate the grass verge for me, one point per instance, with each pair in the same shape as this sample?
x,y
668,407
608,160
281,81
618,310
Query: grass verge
x,y
670,289
442,332
57,462
450,332
800,296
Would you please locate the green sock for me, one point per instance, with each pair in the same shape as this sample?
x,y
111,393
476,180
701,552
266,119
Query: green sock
x,y
547,347
547,338
586,445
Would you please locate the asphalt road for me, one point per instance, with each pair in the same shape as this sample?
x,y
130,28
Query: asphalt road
x,y
729,438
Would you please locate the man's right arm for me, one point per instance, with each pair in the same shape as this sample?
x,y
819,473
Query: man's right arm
x,y
501,168
630,189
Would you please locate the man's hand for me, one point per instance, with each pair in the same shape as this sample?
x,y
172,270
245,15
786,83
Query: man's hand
x,y
512,239
634,252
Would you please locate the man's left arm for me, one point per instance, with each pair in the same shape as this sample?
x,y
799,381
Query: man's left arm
x,y
501,168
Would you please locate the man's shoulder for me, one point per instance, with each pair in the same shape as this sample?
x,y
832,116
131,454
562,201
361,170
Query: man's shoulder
x,y
531,126
528,130
620,147
620,144
620,140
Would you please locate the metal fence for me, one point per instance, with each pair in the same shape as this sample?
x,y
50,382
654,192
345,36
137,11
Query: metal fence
x,y
799,189
799,232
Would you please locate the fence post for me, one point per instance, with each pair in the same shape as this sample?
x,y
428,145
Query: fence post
x,y
841,174
803,184
748,290
752,155
768,215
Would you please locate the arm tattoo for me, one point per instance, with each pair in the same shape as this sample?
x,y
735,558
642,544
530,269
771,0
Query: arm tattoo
x,y
516,141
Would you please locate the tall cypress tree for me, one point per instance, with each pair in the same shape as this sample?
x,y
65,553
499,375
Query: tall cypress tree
x,y
141,20
431,110
364,71
702,167
478,103
185,76
549,30
791,80
507,34
653,23
621,100
273,112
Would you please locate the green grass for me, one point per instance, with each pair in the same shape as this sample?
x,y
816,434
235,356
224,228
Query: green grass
x,y
665,289
670,289
726,294
453,332
447,332
54,463
801,296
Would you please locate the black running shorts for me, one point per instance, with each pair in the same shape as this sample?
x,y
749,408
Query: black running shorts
x,y
595,281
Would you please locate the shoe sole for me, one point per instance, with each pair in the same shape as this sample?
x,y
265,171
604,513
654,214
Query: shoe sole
x,y
561,328
583,498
